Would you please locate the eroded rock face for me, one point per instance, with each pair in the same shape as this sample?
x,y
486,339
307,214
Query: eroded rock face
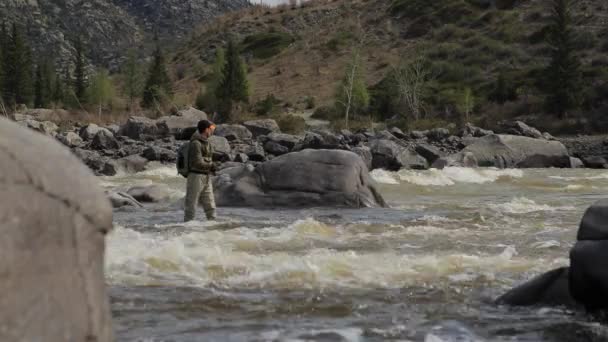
x,y
52,246
300,179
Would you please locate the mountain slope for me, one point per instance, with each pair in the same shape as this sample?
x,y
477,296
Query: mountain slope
x,y
109,27
467,44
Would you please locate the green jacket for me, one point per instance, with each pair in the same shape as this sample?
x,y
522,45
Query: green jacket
x,y
200,155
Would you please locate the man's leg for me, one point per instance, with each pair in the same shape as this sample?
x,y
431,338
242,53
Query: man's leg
x,y
208,199
193,190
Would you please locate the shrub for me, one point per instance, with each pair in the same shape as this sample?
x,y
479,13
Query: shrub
x,y
291,124
266,45
325,113
267,106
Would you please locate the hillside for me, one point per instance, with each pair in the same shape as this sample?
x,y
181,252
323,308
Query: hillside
x,y
301,51
109,27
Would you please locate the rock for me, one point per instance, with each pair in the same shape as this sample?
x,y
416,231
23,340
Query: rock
x,y
548,136
48,128
114,129
417,135
595,162
155,153
52,246
300,179
588,276
594,224
20,117
429,152
366,155
521,129
551,288
460,159
149,194
92,159
182,125
241,158
70,139
390,156
398,133
121,199
438,134
88,132
138,126
385,135
286,140
221,148
234,132
275,148
104,140
473,131
576,163
255,152
262,127
320,140
508,151
132,164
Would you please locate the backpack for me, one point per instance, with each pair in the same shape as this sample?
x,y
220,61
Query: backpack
x,y
183,164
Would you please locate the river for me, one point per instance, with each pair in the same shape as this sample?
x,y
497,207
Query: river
x,y
427,269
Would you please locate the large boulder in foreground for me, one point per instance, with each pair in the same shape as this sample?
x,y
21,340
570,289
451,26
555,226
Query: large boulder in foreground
x,y
510,151
52,246
308,178
550,288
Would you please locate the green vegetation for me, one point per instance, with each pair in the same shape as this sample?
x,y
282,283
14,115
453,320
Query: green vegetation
x,y
132,77
100,91
266,45
158,88
352,97
80,82
233,87
17,69
563,77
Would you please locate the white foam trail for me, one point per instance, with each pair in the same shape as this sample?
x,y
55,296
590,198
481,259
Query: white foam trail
x,y
446,177
523,205
383,176
586,177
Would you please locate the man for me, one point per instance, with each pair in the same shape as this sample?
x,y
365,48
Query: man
x,y
201,167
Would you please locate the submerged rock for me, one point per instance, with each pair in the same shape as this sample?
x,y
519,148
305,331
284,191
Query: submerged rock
x,y
52,246
121,199
149,194
300,179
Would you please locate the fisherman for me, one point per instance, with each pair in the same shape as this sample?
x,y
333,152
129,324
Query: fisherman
x,y
201,168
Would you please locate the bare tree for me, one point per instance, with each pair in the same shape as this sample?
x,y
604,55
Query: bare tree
x,y
412,80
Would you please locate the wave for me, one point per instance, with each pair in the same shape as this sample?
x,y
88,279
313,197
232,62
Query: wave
x,y
445,177
524,205
247,258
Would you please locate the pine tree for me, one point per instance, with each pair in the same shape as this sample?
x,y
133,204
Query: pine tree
x,y
44,84
132,74
563,83
38,91
233,87
80,82
207,100
58,95
158,86
18,70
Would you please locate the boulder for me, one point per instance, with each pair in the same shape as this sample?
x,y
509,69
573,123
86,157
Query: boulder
x,y
88,132
221,148
52,246
398,133
149,194
70,139
551,288
473,131
438,134
366,155
255,152
114,129
308,178
390,156
595,162
275,148
131,164
508,151
94,160
320,140
104,140
262,127
460,159
576,163
286,140
182,125
241,158
234,132
138,126
121,199
521,129
417,135
156,153
429,152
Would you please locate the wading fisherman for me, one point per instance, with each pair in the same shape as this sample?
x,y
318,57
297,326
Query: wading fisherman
x,y
200,168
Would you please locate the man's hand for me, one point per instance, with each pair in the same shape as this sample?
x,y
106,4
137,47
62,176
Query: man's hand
x,y
215,167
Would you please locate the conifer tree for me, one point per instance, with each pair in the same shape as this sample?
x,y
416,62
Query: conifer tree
x,y
80,82
233,86
563,82
132,75
158,86
18,70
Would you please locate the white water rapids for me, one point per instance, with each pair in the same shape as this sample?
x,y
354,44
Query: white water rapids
x,y
427,269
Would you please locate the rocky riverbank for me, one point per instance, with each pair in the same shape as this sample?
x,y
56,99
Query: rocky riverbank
x,y
128,148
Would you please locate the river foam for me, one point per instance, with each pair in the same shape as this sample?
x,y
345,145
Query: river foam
x,y
445,177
